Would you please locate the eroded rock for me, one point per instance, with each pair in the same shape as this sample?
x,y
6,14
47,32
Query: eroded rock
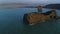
x,y
34,17
39,9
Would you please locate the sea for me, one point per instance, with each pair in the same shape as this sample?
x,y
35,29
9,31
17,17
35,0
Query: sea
x,y
11,22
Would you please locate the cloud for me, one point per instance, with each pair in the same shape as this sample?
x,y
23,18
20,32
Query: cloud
x,y
53,1
29,1
22,1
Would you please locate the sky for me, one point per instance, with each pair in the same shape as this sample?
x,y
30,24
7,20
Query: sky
x,y
30,1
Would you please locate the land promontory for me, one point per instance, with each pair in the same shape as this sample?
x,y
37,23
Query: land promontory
x,y
53,6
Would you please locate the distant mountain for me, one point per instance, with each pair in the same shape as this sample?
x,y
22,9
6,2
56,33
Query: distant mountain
x,y
20,5
14,5
53,6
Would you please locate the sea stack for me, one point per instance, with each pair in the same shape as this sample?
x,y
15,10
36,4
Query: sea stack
x,y
39,9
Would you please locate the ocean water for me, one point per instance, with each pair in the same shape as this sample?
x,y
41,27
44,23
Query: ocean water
x,y
11,22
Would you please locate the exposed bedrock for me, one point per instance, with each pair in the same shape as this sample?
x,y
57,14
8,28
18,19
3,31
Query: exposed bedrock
x,y
35,17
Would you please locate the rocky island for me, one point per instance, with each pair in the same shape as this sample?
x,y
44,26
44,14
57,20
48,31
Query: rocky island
x,y
35,17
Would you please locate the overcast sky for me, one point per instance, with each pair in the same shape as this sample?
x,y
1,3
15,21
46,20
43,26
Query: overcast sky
x,y
30,1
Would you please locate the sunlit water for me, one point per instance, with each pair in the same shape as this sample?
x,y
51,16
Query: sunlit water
x,y
11,22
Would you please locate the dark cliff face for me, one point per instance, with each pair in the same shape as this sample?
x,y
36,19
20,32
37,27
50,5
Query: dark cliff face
x,y
53,6
25,20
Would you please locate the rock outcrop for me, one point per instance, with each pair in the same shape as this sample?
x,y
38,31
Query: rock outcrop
x,y
35,17
39,9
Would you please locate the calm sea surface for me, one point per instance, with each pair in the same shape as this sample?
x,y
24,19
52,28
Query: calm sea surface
x,y
11,22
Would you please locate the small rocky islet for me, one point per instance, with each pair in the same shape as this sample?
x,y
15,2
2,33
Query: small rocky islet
x,y
34,17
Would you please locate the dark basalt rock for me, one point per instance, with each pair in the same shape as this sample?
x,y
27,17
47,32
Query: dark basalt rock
x,y
53,17
25,19
49,12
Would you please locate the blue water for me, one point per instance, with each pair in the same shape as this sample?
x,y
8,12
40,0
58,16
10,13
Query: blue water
x,y
11,22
